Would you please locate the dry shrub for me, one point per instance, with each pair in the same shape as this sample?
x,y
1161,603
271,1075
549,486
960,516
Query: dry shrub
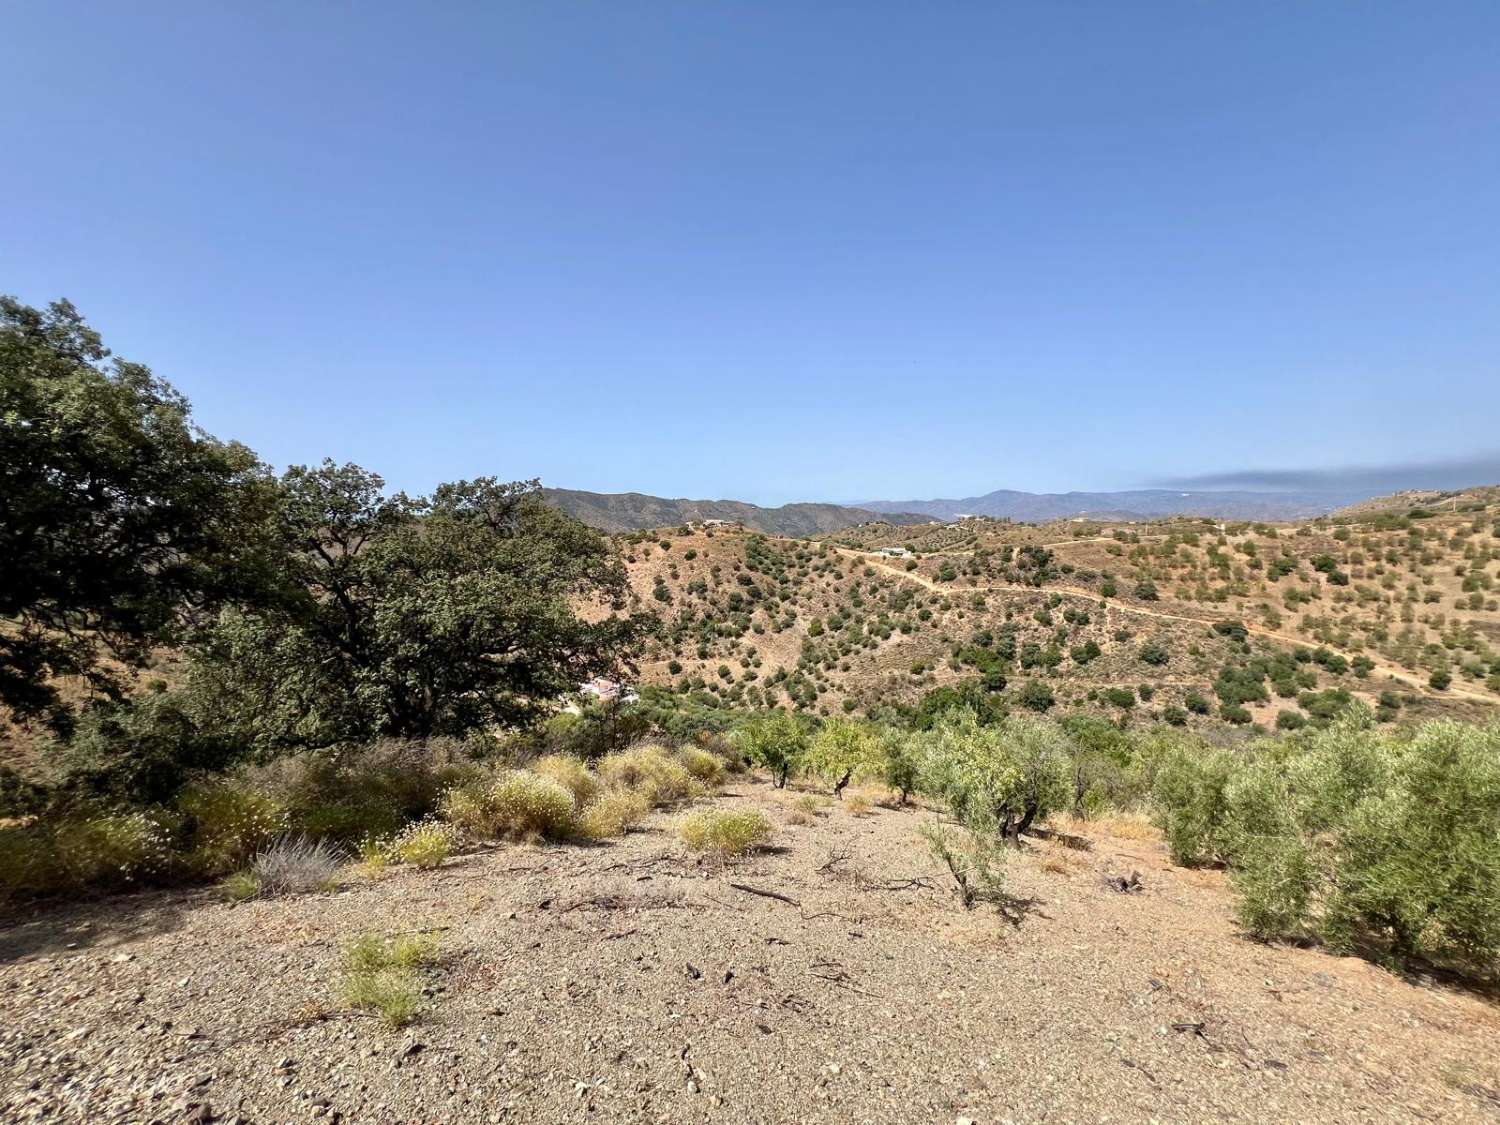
x,y
858,805
571,774
516,805
296,865
424,844
805,809
1054,866
614,814
707,768
107,850
369,789
651,771
115,849
723,833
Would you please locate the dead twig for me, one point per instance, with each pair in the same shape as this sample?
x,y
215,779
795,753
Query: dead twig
x,y
836,857
764,894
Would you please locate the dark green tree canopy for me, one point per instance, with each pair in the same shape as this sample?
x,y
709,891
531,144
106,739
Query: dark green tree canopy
x,y
119,519
477,607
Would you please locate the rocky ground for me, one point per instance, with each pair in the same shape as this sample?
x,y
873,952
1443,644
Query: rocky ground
x,y
629,982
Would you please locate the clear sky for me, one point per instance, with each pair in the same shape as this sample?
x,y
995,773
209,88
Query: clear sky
x,y
779,249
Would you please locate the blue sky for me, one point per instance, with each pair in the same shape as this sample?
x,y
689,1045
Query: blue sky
x,y
779,250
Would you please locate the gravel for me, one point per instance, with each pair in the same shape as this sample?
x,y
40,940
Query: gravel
x,y
630,981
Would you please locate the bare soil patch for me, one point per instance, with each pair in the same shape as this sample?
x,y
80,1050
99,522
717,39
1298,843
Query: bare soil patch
x,y
830,978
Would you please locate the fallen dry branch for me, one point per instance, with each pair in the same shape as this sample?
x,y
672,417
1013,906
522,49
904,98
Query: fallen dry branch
x,y
764,894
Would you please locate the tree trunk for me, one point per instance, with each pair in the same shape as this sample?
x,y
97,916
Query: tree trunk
x,y
1026,818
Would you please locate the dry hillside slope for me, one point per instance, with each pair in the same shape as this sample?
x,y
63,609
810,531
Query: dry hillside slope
x,y
1395,607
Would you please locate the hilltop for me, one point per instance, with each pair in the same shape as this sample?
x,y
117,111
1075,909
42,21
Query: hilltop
x,y
1193,621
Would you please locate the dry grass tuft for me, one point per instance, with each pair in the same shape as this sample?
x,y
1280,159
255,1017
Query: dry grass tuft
x,y
1120,825
651,770
805,809
297,865
571,774
614,814
382,975
707,768
424,844
857,804
723,833
516,805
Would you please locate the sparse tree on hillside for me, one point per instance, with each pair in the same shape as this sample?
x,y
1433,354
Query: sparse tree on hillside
x,y
776,742
840,751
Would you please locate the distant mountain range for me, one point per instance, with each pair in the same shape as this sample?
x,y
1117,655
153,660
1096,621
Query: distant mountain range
x,y
1038,507
633,511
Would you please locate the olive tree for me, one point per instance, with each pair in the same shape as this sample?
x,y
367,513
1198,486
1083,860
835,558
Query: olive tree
x,y
998,780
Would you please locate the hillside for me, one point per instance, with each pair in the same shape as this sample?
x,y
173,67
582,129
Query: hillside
x,y
1189,620
631,511
1138,504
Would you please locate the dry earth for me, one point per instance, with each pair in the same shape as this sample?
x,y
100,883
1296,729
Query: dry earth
x,y
627,982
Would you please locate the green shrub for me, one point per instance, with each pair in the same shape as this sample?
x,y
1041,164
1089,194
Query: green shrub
x,y
1037,696
900,762
725,833
1419,862
840,751
776,742
998,780
1357,837
1153,653
1190,804
975,863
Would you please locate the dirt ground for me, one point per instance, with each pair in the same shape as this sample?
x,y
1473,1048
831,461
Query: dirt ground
x,y
629,982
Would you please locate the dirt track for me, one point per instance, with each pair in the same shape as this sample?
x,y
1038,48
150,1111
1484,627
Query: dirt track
x,y
1381,669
